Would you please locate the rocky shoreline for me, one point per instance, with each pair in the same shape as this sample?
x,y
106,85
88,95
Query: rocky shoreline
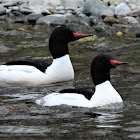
x,y
99,13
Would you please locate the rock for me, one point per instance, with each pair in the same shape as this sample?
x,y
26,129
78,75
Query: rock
x,y
122,10
79,20
134,13
138,34
32,18
95,20
17,13
59,8
69,8
46,12
131,20
25,9
14,8
119,33
36,9
136,2
110,20
49,8
8,11
62,12
79,11
106,2
116,2
8,4
55,19
112,7
54,1
2,10
54,5
69,11
72,3
133,6
97,8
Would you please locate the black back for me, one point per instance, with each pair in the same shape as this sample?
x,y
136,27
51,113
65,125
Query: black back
x,y
87,92
100,69
42,66
58,42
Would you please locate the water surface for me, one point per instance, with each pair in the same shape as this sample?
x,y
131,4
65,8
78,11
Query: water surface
x,y
22,119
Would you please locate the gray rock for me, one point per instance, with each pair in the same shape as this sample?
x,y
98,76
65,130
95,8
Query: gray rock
x,y
14,8
54,5
69,11
32,18
25,9
131,20
54,1
69,8
59,8
8,11
53,11
81,15
55,19
138,34
96,7
137,2
62,12
2,10
46,12
17,13
122,9
112,7
8,4
72,3
79,20
135,13
95,20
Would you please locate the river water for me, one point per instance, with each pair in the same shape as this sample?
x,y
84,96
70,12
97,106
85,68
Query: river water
x,y
22,119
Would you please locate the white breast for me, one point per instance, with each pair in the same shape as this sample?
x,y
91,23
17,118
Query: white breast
x,y
105,94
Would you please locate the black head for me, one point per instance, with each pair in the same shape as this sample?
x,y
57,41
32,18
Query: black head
x,y
100,68
59,39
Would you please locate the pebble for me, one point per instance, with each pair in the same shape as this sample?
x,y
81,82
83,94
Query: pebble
x,y
14,8
8,4
62,12
119,33
2,10
102,11
59,8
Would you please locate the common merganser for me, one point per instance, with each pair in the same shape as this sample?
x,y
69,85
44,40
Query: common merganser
x,y
103,93
34,73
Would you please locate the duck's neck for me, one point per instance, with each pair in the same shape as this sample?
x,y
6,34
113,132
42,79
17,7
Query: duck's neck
x,y
105,94
61,69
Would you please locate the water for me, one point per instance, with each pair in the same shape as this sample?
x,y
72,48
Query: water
x,y
22,119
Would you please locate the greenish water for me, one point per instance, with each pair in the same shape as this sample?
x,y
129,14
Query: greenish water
x,y
31,121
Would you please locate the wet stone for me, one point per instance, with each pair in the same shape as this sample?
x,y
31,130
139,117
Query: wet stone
x,y
2,10
59,8
14,8
62,12
8,4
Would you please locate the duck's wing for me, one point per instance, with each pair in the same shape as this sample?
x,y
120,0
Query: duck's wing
x,y
42,66
87,92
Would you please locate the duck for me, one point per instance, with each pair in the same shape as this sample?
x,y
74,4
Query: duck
x,y
36,73
102,94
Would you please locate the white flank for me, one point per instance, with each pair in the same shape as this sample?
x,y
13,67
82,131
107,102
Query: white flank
x,y
104,94
21,75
